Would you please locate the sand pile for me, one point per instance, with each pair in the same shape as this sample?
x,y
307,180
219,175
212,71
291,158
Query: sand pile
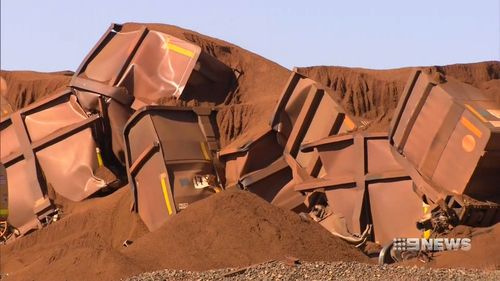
x,y
230,229
25,87
83,245
236,228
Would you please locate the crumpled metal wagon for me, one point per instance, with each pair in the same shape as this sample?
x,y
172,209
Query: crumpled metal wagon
x,y
170,160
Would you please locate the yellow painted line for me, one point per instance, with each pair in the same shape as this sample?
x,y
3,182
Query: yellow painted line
x,y
349,123
180,50
100,163
471,109
427,233
471,127
163,178
204,150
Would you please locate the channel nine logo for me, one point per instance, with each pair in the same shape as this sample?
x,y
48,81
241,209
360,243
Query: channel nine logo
x,y
432,244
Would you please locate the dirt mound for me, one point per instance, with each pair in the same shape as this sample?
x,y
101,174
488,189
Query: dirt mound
x,y
25,87
84,243
233,229
374,94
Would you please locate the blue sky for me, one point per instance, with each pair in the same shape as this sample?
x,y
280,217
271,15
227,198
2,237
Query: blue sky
x,y
55,35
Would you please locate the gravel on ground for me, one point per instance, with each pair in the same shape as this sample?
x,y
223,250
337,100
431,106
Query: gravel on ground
x,y
279,270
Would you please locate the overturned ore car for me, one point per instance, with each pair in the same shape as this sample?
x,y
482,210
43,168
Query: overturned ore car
x,y
170,160
271,163
446,134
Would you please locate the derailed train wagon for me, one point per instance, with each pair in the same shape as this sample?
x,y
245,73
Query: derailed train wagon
x,y
364,191
446,134
49,143
170,160
271,162
129,69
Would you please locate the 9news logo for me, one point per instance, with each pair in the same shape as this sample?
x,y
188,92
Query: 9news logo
x,y
432,244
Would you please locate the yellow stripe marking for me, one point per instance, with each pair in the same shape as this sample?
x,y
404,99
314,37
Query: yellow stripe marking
x,y
204,150
471,109
427,233
349,123
471,127
163,178
180,50
100,163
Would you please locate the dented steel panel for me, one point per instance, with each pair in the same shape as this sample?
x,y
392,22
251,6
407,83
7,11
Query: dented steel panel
x,y
48,143
363,185
395,208
129,69
151,65
160,68
451,143
257,152
27,202
170,161
305,112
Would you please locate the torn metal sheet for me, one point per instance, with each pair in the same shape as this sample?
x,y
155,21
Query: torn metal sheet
x,y
170,160
446,136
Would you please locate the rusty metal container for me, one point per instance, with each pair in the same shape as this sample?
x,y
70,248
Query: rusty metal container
x,y
364,185
305,112
446,135
127,70
252,153
151,65
49,143
170,160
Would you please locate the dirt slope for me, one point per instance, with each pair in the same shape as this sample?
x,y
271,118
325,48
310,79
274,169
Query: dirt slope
x,y
374,94
24,87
